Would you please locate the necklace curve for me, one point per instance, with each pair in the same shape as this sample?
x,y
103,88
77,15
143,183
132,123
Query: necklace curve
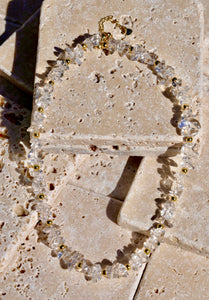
x,y
187,126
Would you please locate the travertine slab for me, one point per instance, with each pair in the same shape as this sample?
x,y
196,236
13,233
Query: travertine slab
x,y
115,112
190,221
88,227
174,273
15,216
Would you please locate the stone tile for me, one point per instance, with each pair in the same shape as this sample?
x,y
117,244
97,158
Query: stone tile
x,y
120,118
174,274
18,55
104,174
89,228
15,217
190,225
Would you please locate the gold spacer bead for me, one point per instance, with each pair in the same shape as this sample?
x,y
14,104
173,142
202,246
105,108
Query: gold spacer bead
x,y
68,61
36,167
41,196
36,134
104,272
49,222
79,265
156,62
131,48
62,247
173,198
128,267
51,82
160,226
147,251
189,139
84,46
185,106
184,170
40,109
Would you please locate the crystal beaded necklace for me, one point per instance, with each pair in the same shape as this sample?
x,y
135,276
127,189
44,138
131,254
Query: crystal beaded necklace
x,y
187,126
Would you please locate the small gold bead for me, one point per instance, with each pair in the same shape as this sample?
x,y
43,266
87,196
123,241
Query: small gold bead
x,y
36,134
128,267
36,167
79,265
184,170
189,139
157,62
49,222
51,82
173,198
147,251
41,196
160,226
62,247
40,109
68,61
104,272
84,46
185,106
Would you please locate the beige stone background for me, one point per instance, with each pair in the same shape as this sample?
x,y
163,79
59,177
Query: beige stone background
x,y
101,185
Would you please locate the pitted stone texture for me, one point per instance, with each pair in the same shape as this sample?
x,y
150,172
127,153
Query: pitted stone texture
x,y
104,174
18,53
174,274
96,235
15,216
114,102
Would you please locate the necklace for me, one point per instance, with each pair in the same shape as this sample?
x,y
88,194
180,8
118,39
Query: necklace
x,y
187,126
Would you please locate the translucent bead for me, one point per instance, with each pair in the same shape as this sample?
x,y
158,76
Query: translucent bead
x,y
78,51
151,243
71,258
167,210
62,64
122,47
56,73
148,58
135,53
38,117
94,273
44,211
95,40
135,261
158,232
177,187
144,256
111,46
108,271
119,270
189,127
55,240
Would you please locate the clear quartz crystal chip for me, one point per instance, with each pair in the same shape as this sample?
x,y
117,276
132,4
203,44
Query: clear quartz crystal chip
x,y
189,127
112,45
167,210
95,40
94,273
158,232
119,270
122,47
70,258
151,243
143,255
108,271
148,58
177,187
135,261
56,73
135,53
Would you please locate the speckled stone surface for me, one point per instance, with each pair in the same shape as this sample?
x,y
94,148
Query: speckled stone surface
x,y
15,215
175,274
89,228
117,115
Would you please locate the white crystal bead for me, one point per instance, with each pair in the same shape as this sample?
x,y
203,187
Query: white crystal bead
x,y
95,40
177,187
151,243
143,255
167,210
147,58
56,73
70,259
122,47
158,232
135,261
119,270
94,273
135,54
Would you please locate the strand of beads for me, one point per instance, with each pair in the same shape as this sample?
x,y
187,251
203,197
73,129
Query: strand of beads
x,y
48,231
